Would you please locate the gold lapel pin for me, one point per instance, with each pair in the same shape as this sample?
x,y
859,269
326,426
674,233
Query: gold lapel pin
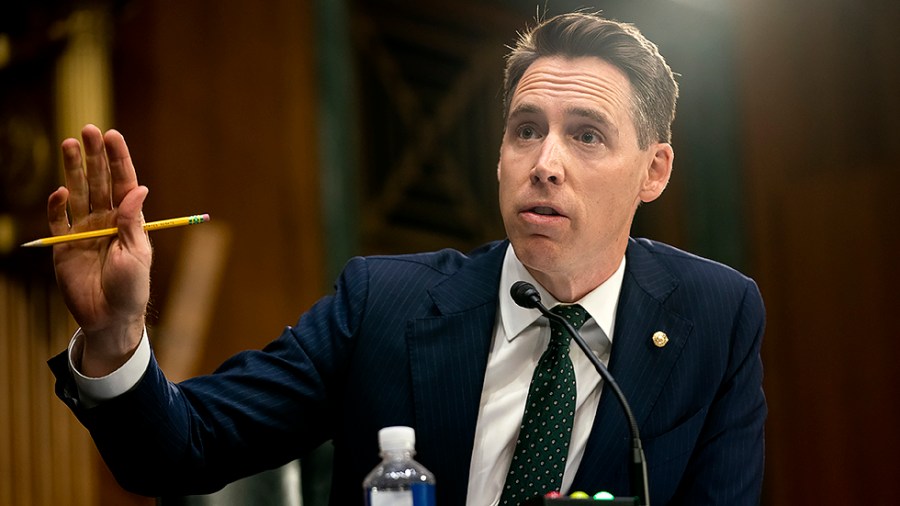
x,y
660,339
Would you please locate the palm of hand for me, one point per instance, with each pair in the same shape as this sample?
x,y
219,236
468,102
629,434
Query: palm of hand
x,y
102,281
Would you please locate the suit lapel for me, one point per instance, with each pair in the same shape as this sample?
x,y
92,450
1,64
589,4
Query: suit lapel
x,y
638,366
448,357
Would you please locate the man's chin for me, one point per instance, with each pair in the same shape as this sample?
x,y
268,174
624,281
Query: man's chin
x,y
539,254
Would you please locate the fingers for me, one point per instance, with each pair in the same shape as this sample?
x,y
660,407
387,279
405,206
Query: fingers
x,y
121,168
99,179
96,168
130,218
56,212
76,182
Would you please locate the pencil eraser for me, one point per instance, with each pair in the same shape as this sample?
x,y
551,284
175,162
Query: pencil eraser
x,y
205,218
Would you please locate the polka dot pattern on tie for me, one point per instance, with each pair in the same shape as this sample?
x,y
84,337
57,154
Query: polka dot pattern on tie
x,y
542,447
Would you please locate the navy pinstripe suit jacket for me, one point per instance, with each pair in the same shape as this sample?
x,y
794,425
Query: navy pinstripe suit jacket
x,y
404,341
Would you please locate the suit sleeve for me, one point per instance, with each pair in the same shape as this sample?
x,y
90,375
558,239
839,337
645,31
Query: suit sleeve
x,y
259,410
727,464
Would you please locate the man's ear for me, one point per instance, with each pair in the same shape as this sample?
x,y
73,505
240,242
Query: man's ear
x,y
658,171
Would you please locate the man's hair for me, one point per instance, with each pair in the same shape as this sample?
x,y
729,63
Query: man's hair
x,y
622,45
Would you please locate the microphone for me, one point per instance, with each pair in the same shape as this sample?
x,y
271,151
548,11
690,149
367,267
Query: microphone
x,y
526,295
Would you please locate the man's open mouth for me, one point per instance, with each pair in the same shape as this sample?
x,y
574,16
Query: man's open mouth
x,y
544,211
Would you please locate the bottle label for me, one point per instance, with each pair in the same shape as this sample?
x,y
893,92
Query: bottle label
x,y
391,498
421,494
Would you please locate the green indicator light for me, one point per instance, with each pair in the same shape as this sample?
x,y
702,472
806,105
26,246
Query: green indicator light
x,y
604,496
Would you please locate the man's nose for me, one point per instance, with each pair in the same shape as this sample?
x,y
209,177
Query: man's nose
x,y
549,167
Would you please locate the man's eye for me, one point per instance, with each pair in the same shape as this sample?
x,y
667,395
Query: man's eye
x,y
527,132
589,137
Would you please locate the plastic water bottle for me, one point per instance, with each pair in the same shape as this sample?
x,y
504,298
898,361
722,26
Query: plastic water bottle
x,y
399,480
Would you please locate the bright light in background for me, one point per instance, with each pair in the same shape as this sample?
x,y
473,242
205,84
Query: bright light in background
x,y
7,233
707,5
5,50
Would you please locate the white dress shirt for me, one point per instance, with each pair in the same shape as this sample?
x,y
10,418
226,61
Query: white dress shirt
x,y
520,337
93,391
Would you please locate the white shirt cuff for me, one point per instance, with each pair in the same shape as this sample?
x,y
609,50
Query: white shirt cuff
x,y
93,391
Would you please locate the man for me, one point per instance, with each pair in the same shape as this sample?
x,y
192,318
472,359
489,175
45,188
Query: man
x,y
434,341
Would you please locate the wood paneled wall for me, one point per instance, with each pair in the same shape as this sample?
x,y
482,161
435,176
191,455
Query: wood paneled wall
x,y
218,104
820,104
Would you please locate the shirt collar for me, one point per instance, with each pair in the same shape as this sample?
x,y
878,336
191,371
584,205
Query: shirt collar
x,y
601,302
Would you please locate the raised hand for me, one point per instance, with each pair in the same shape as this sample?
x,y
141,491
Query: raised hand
x,y
104,282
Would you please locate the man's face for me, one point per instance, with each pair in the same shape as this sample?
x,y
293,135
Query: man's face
x,y
571,173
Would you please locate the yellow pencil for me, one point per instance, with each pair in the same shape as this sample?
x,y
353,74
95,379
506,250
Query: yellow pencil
x,y
106,232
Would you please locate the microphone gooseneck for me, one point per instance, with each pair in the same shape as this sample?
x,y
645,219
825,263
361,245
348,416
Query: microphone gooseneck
x,y
526,295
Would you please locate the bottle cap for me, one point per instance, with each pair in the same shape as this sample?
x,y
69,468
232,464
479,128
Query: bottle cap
x,y
397,438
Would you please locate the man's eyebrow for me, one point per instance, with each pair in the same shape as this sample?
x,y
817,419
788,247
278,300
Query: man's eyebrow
x,y
524,108
594,115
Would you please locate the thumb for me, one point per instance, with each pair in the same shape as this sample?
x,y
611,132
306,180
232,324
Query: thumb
x,y
130,220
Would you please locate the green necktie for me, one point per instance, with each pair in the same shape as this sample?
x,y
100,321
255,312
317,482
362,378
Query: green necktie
x,y
542,447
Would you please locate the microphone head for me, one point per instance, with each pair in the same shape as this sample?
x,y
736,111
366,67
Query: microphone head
x,y
525,294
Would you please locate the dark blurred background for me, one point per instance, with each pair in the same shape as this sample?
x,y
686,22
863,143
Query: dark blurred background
x,y
314,130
